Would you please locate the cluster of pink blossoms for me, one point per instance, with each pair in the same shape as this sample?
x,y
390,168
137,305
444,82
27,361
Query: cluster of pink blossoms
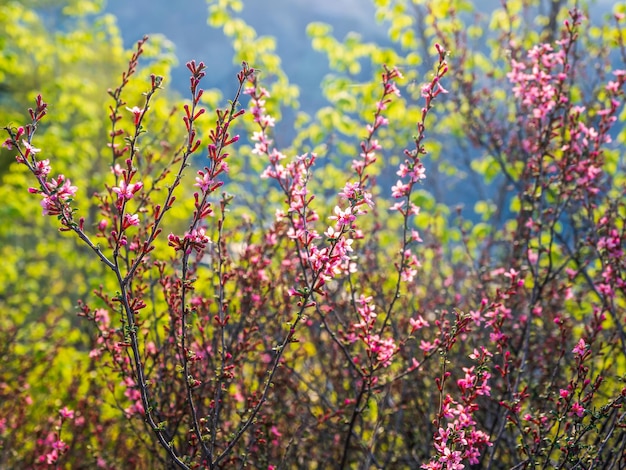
x,y
380,350
57,193
334,258
324,262
54,442
196,239
538,87
541,83
459,440
131,391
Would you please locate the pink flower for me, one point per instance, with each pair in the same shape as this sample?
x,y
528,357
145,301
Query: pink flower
x,y
417,324
383,349
451,458
400,189
580,348
29,148
427,346
62,188
468,381
60,191
332,234
8,144
197,236
197,239
398,206
204,181
117,170
42,168
512,274
577,409
137,112
415,236
432,466
130,220
267,121
51,457
66,413
126,191
101,316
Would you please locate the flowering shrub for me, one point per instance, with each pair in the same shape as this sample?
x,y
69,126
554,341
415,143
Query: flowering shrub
x,y
345,329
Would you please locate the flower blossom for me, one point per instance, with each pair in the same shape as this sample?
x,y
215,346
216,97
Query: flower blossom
x,y
577,409
59,191
66,413
580,348
137,113
417,323
29,148
126,191
130,220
